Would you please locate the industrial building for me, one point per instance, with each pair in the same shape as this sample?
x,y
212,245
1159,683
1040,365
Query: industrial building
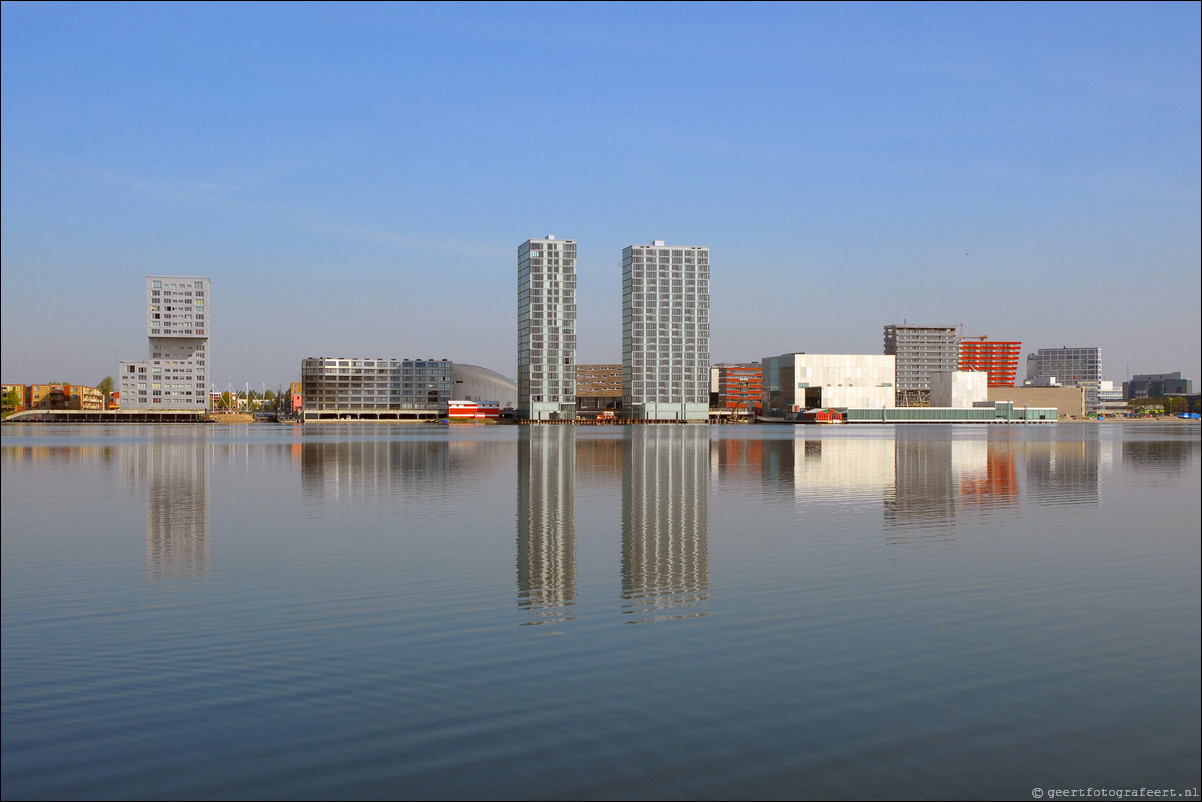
x,y
665,332
175,376
547,329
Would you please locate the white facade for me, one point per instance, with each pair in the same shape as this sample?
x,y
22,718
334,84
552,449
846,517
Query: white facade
x,y
547,329
959,389
666,332
178,312
811,381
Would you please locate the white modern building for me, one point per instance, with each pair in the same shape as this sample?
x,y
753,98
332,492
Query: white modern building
x,y
797,382
921,351
960,389
665,332
547,329
175,376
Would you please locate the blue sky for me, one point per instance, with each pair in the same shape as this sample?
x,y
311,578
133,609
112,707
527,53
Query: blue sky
x,y
356,178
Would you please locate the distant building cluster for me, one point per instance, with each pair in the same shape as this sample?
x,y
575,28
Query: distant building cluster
x,y
665,373
52,396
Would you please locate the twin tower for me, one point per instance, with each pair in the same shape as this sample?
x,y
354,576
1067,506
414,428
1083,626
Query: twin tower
x,y
665,331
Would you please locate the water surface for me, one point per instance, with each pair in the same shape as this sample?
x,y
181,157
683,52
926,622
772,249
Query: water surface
x,y
615,612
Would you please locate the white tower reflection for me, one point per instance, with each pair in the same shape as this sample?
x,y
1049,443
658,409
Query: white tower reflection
x,y
546,560
665,522
175,474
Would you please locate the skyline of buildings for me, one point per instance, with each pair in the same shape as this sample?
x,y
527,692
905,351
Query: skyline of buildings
x,y
666,307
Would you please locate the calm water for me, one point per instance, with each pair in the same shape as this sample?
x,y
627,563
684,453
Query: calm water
x,y
650,612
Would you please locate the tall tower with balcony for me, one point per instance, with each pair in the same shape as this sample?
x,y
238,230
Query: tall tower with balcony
x,y
547,329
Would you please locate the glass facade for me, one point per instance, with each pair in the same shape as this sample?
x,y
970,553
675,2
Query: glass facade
x,y
1070,367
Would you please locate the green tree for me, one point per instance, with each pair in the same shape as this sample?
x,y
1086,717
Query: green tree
x,y
12,399
105,386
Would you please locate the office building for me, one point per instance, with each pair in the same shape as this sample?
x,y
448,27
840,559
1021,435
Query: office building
x,y
996,357
921,352
547,329
665,332
178,312
1156,385
1068,367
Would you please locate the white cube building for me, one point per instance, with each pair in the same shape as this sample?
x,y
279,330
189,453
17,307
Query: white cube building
x,y
959,388
797,382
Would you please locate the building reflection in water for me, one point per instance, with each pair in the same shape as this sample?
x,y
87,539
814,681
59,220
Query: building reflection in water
x,y
840,470
546,550
930,484
986,472
665,522
176,477
350,471
1064,472
1163,457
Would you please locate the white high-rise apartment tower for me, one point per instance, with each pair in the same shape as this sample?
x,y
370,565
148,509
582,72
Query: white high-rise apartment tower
x,y
178,313
547,329
665,332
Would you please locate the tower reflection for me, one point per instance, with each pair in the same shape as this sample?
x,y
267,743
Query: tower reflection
x,y
665,522
546,561
176,476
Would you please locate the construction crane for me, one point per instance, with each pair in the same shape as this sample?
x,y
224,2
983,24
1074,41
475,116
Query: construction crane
x,y
963,336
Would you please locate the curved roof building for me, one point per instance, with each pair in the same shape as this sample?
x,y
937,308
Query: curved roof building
x,y
474,383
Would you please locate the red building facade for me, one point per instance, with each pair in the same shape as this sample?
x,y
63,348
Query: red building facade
x,y
741,387
999,359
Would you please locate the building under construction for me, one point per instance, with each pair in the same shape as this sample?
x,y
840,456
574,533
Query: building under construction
x,y
921,352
